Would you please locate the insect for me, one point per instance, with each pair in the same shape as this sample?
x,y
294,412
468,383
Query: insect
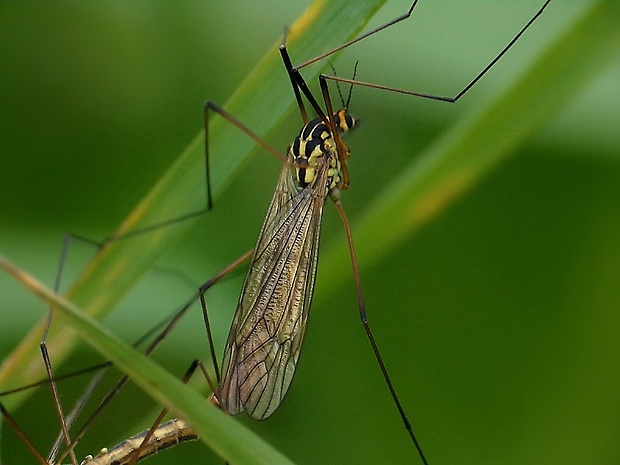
x,y
307,171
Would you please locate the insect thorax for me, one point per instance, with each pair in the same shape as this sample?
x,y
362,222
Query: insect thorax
x,y
316,142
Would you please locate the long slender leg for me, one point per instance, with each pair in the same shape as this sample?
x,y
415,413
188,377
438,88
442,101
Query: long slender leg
x,y
449,99
299,84
203,290
289,66
219,110
371,338
59,410
298,81
11,421
398,19
64,425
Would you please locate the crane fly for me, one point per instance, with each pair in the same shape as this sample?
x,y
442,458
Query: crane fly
x,y
267,332
268,328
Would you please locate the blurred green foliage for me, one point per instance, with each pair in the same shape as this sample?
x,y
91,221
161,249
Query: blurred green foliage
x,y
498,320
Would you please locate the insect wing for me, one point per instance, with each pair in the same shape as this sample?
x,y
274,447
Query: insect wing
x,y
267,332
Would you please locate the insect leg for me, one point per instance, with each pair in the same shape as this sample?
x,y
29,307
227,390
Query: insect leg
x,y
448,99
11,421
375,349
398,19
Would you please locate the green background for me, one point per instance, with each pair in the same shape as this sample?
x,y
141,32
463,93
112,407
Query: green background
x,y
498,320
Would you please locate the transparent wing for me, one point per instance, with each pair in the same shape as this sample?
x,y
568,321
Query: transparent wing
x,y
268,328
